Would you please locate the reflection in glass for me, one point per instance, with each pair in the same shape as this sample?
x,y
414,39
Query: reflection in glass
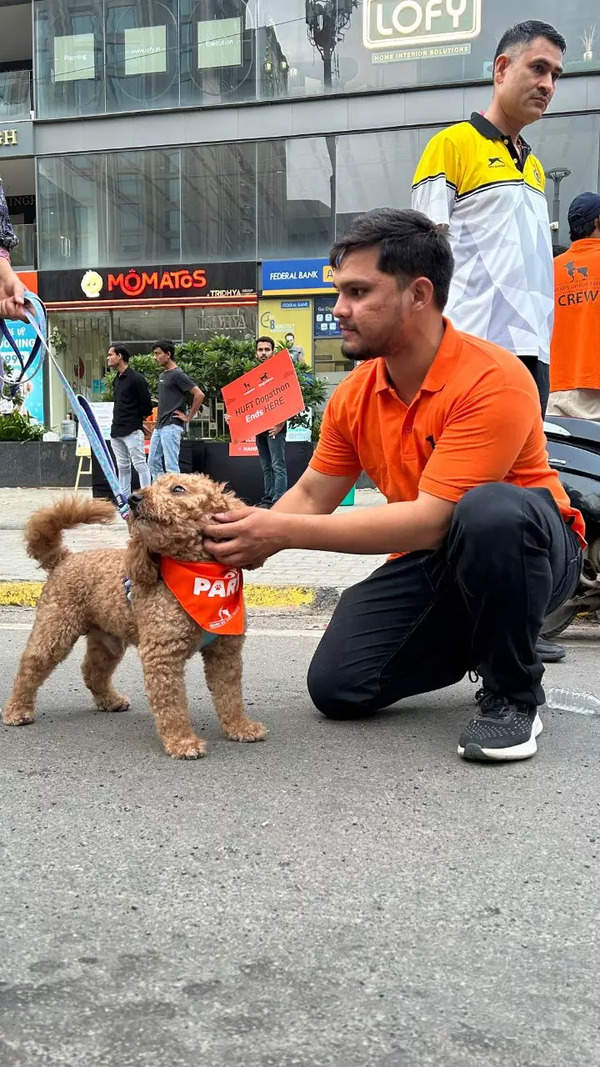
x,y
144,207
296,180
72,211
218,62
219,202
142,55
69,61
567,143
236,322
133,325
376,170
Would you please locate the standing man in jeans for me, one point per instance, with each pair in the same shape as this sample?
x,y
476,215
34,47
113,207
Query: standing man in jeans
x,y
173,386
132,403
271,444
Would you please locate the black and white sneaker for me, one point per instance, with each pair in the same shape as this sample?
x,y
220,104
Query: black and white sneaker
x,y
505,730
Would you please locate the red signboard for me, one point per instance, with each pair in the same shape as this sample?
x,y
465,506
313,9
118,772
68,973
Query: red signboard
x,y
267,395
243,448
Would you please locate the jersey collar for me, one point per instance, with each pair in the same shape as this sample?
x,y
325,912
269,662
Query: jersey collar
x,y
487,129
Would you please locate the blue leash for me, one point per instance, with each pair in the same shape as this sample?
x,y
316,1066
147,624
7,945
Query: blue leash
x,y
79,405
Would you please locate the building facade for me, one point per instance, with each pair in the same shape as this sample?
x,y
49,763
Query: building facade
x,y
177,168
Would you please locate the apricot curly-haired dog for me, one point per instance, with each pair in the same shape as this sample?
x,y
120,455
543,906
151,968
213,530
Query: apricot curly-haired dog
x,y
84,595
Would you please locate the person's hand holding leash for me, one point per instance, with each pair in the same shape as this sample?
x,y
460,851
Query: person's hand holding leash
x,y
12,293
245,537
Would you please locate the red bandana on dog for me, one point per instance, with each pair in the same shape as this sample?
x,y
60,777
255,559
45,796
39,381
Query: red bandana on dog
x,y
210,592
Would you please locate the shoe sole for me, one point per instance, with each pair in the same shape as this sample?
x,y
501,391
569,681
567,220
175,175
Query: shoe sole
x,y
553,657
497,755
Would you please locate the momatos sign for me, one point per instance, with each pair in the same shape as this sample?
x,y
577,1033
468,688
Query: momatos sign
x,y
390,23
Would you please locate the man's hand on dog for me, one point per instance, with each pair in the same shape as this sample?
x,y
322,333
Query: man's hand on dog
x,y
245,537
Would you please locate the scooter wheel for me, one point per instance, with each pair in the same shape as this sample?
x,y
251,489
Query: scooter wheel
x,y
558,621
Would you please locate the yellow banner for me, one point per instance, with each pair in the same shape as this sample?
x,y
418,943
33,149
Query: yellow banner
x,y
290,323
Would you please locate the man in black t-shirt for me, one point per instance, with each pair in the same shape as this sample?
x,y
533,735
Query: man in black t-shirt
x,y
173,385
132,405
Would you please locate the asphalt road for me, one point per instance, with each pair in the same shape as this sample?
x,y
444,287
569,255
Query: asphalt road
x,y
342,894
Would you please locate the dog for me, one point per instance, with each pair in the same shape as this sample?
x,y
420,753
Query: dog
x,y
85,595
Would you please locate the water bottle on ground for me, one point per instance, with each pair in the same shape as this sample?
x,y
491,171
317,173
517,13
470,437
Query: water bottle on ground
x,y
572,700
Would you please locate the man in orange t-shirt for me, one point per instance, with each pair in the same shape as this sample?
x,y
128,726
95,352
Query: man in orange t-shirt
x,y
575,352
449,428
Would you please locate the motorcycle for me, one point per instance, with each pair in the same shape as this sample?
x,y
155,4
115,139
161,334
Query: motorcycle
x,y
574,451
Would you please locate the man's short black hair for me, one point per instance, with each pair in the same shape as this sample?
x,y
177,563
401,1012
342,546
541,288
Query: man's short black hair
x,y
579,230
410,246
265,341
122,352
167,346
526,32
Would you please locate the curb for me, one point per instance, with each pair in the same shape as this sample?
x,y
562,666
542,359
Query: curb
x,y
316,600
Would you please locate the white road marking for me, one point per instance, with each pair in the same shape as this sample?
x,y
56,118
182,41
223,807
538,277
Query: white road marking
x,y
15,626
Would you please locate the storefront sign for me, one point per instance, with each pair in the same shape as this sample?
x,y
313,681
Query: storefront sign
x,y
103,412
30,392
394,23
326,324
262,398
17,139
289,323
215,281
281,276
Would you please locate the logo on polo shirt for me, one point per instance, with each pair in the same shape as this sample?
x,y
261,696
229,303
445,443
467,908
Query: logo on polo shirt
x,y
571,270
537,175
495,161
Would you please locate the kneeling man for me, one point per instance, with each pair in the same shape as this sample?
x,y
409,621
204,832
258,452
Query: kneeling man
x,y
484,541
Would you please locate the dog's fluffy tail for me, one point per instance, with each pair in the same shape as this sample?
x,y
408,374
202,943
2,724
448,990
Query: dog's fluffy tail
x,y
43,533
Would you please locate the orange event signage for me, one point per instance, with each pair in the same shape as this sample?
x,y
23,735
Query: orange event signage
x,y
266,395
243,448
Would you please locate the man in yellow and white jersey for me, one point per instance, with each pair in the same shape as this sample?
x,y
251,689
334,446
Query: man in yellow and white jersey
x,y
481,180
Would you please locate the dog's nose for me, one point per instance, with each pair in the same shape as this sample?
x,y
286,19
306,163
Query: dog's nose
x,y
134,500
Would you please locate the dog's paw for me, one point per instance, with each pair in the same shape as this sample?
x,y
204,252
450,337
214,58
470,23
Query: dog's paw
x,y
249,731
191,747
117,703
13,715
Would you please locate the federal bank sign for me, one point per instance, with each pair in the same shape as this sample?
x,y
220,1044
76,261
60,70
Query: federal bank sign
x,y
393,23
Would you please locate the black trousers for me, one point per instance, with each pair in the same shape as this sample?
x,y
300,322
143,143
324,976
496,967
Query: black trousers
x,y
420,622
541,376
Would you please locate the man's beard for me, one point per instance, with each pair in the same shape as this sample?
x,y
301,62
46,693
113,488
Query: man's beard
x,y
360,353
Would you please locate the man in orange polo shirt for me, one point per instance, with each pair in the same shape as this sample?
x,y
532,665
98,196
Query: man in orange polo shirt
x,y
575,352
449,428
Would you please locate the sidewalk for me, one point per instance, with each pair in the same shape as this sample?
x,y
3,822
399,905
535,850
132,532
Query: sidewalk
x,y
291,579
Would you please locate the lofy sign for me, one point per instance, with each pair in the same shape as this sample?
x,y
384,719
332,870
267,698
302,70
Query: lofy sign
x,y
390,23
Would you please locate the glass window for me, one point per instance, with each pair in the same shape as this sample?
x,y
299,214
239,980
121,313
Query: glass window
x,y
144,207
84,339
135,326
376,170
569,151
218,51
295,182
159,53
71,211
219,202
69,58
142,55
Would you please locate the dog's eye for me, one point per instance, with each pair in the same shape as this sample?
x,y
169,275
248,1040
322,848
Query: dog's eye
x,y
178,489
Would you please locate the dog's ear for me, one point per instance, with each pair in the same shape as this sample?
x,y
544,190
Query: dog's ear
x,y
142,567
